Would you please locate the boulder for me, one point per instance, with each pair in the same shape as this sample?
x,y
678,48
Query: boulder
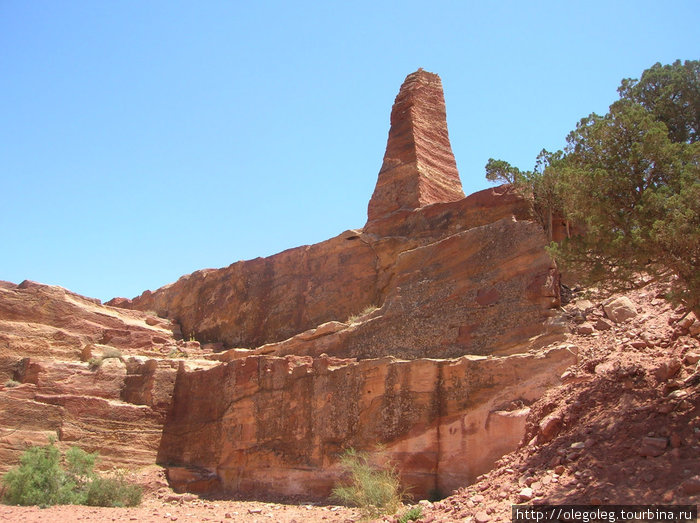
x,y
620,309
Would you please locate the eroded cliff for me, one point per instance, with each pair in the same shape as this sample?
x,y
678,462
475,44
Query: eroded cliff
x,y
426,332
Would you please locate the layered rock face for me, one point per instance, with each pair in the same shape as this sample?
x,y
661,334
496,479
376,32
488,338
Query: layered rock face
x,y
419,168
422,332
277,425
48,388
315,332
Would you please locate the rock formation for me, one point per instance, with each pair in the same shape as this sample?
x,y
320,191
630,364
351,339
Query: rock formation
x,y
277,425
419,168
423,331
54,380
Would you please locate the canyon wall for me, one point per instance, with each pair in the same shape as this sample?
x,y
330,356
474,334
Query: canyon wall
x,y
277,425
55,381
428,331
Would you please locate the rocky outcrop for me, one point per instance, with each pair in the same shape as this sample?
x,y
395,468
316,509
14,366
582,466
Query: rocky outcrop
x,y
49,321
450,275
75,370
421,332
446,280
276,425
418,168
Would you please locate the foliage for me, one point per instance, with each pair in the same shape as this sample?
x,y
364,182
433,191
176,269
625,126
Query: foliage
x,y
112,492
413,514
40,480
634,192
502,171
671,94
374,490
354,318
629,181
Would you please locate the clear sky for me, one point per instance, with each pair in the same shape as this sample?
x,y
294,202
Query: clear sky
x,y
143,140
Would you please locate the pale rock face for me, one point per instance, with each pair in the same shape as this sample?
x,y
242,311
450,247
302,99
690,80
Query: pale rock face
x,y
620,309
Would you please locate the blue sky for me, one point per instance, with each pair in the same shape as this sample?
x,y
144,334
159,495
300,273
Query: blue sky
x,y
141,141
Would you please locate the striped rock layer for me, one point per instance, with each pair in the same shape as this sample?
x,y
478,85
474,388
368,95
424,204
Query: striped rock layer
x,y
419,168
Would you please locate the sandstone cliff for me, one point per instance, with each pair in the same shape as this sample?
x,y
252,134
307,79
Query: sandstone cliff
x,y
446,272
277,425
423,332
54,381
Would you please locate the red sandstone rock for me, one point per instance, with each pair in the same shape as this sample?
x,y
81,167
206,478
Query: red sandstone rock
x,y
116,406
277,425
463,281
419,168
448,282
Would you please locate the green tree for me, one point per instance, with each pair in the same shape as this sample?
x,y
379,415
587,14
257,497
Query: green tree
x,y
630,182
631,190
501,171
672,94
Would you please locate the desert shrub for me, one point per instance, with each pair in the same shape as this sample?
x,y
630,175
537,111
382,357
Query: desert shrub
x,y
354,318
41,480
374,490
412,514
11,383
112,492
111,352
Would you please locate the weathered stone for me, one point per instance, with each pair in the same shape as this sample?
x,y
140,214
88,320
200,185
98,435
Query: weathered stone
x,y
549,427
525,494
652,447
691,486
691,358
585,329
277,424
602,325
419,168
667,369
620,309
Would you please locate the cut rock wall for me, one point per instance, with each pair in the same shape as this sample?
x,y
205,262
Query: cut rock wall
x,y
277,425
422,332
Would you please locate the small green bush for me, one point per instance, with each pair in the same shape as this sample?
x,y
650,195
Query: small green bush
x,y
40,480
413,514
375,491
112,492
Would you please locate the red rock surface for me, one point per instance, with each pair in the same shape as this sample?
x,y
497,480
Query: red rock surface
x,y
460,289
419,168
49,388
447,282
277,425
623,427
